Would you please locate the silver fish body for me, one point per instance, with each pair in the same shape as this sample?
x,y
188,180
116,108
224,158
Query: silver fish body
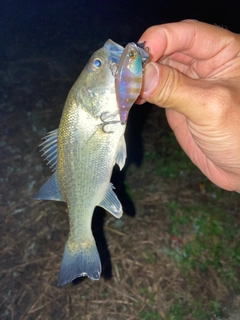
x,y
82,153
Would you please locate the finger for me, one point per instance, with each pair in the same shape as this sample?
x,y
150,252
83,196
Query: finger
x,y
186,37
169,88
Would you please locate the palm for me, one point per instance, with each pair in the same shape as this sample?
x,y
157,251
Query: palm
x,y
197,141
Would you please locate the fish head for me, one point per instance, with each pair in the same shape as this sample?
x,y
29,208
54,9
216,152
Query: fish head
x,y
96,84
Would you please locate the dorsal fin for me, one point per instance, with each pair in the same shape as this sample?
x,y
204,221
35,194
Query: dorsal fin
x,y
49,149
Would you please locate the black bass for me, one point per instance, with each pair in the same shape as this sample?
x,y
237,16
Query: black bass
x,y
82,154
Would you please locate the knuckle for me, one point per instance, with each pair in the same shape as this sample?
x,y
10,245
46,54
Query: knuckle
x,y
220,101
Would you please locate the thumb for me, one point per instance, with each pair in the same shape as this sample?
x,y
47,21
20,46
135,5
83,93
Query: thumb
x,y
167,87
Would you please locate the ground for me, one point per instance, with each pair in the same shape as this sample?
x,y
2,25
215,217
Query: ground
x,y
174,255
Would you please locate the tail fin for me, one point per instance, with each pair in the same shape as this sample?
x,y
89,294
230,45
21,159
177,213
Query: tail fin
x,y
83,262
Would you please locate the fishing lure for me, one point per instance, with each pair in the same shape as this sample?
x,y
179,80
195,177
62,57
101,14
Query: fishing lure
x,y
128,77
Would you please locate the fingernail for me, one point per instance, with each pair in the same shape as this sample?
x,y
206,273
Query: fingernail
x,y
150,79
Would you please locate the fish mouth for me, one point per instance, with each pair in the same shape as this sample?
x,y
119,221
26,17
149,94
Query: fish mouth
x,y
114,50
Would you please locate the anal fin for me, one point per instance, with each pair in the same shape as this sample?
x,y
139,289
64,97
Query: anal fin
x,y
50,190
111,203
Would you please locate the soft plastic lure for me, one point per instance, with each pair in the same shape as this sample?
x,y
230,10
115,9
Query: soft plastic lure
x,y
128,78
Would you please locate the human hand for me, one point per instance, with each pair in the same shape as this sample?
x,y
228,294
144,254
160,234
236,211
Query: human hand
x,y
195,75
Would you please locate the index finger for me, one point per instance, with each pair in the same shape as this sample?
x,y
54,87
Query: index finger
x,y
196,39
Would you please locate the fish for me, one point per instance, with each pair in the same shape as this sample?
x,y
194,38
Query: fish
x,y
84,149
128,77
82,153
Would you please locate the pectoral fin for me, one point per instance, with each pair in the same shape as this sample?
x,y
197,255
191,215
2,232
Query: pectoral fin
x,y
121,153
50,190
111,203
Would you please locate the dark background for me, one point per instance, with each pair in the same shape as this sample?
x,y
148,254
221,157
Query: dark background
x,y
47,28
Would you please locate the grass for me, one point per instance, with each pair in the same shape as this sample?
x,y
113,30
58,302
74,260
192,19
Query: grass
x,y
149,256
170,160
196,311
180,310
209,238
150,312
146,315
206,246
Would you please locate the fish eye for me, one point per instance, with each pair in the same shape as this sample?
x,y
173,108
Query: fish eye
x,y
95,64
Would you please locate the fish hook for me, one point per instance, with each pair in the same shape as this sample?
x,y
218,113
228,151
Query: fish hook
x,y
105,123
